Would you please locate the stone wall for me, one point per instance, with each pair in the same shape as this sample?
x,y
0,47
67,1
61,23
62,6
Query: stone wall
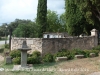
x,y
53,45
33,43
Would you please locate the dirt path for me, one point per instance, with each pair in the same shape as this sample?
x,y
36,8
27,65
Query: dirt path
x,y
86,66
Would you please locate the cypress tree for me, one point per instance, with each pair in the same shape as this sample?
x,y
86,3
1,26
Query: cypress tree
x,y
42,16
75,21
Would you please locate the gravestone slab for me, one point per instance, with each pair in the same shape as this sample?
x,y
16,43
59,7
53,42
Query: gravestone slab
x,y
8,60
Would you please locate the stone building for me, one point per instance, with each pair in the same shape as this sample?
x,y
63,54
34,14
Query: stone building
x,y
55,35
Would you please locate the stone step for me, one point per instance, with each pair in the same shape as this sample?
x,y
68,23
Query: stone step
x,y
79,56
92,55
61,58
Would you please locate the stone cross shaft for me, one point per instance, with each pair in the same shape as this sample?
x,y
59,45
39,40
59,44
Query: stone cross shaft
x,y
24,50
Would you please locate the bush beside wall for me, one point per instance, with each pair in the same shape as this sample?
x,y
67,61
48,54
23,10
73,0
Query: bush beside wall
x,y
35,57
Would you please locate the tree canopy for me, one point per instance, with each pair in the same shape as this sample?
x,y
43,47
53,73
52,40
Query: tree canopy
x,y
91,11
55,22
25,28
75,19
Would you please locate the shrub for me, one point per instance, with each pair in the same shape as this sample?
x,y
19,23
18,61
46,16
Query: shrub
x,y
34,58
70,55
87,53
1,50
37,53
16,60
96,52
7,46
77,51
96,48
48,58
15,53
60,54
30,60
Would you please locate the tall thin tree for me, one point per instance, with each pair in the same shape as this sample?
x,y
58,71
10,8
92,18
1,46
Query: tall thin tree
x,y
42,16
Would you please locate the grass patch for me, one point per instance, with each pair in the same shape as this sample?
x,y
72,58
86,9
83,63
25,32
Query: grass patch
x,y
45,65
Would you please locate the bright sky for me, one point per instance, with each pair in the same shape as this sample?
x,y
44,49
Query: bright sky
x,y
25,9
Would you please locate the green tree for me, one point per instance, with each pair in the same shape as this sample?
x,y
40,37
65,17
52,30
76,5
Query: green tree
x,y
75,21
42,16
63,22
25,28
91,10
4,29
53,22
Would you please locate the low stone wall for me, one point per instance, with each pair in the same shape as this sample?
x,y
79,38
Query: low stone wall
x,y
33,43
53,45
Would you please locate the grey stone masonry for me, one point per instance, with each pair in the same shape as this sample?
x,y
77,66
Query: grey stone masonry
x,y
53,45
24,50
8,60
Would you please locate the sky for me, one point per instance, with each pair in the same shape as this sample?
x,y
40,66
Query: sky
x,y
25,9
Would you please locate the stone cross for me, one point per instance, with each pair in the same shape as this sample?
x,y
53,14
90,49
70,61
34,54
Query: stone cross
x,y
24,50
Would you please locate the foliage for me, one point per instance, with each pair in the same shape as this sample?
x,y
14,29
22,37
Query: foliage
x,y
3,30
96,48
6,46
34,58
90,10
75,20
78,51
60,54
16,60
42,16
15,53
96,52
87,52
70,55
63,22
65,53
1,50
54,22
48,58
25,29
37,53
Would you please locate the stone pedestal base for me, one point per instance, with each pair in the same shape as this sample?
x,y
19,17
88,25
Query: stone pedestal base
x,y
23,58
19,68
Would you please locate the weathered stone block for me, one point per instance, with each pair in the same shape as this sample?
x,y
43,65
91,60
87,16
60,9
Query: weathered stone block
x,y
8,60
79,56
30,65
61,59
92,55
